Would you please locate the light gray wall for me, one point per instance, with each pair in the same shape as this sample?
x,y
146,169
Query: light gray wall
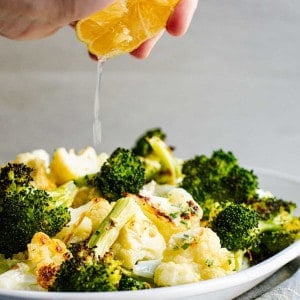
x,y
232,82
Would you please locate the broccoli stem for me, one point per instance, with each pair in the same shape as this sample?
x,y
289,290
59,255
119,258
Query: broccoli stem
x,y
162,150
108,230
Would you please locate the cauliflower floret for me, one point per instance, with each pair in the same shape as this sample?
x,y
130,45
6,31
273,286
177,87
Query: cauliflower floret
x,y
77,230
138,240
171,273
85,219
175,212
45,255
35,154
38,160
145,268
67,165
102,158
19,278
98,211
198,247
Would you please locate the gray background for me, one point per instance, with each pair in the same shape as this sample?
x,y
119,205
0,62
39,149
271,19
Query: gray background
x,y
232,82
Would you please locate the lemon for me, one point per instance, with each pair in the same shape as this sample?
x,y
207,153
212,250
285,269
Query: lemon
x,y
123,26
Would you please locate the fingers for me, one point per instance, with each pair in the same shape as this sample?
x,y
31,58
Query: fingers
x,y
34,19
181,18
177,25
145,48
142,51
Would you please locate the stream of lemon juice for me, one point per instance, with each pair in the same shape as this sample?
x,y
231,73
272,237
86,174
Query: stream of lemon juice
x,y
97,125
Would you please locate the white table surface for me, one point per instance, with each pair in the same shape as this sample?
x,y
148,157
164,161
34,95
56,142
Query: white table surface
x,y
232,82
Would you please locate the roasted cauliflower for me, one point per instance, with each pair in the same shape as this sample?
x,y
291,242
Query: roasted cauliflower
x,y
138,240
172,212
197,250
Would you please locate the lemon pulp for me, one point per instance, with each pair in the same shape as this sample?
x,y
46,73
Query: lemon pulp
x,y
123,26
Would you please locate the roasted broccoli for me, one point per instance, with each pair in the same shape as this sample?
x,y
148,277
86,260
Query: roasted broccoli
x,y
237,227
122,173
130,282
218,178
270,243
280,227
142,146
92,266
240,227
270,207
84,271
25,210
228,195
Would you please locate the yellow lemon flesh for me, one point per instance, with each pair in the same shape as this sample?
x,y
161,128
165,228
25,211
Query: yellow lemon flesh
x,y
123,26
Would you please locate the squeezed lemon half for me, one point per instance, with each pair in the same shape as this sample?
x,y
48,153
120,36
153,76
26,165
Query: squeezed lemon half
x,y
123,26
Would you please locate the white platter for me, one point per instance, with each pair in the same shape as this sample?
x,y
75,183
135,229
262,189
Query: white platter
x,y
281,185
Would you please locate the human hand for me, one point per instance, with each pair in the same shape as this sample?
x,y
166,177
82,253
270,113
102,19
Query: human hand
x,y
34,19
177,25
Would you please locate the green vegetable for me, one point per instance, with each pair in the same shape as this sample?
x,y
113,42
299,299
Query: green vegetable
x,y
122,173
270,207
142,146
236,226
130,282
218,179
270,243
279,227
158,157
25,210
84,272
241,227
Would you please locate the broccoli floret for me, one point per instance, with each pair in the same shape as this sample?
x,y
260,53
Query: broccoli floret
x,y
16,175
270,243
241,185
84,272
237,227
142,146
25,210
122,173
279,227
129,282
270,207
218,178
243,228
